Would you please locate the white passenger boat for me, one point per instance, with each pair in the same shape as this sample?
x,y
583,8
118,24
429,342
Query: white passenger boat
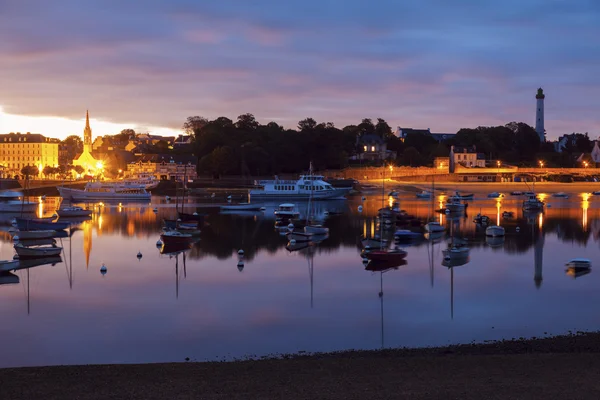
x,y
300,189
13,202
73,212
37,251
106,191
286,211
494,231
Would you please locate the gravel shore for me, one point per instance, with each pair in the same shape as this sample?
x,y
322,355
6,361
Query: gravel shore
x,y
565,367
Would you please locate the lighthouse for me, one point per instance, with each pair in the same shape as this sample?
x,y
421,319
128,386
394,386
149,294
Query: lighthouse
x,y
539,115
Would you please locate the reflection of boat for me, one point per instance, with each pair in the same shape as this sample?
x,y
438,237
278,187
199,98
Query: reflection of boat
x,y
581,263
434,227
405,234
454,204
516,193
297,189
481,219
99,191
494,241
382,266
36,262
562,195
37,251
455,262
241,207
34,225
312,226
286,211
69,212
508,214
8,265
299,236
298,246
495,195
494,231
373,242
37,242
174,248
6,278
18,206
464,196
577,272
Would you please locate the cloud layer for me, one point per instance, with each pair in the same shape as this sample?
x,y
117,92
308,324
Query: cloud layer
x,y
437,64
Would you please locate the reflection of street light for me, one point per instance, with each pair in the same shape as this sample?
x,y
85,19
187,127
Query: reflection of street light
x,y
585,164
498,164
541,164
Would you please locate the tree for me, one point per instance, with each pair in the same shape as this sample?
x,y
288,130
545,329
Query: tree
x,y
366,126
79,169
307,125
30,170
247,122
383,129
194,124
48,170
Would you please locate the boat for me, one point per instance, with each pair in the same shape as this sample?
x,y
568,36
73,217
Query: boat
x,y
494,241
8,265
300,189
75,212
457,249
37,242
25,224
36,262
494,231
561,195
299,236
516,193
393,193
37,251
495,195
316,229
481,219
311,226
508,214
175,238
286,211
191,217
528,193
405,234
465,196
175,248
579,263
241,207
373,242
424,195
596,193
454,204
433,226
27,235
532,203
386,255
106,191
6,278
18,206
148,181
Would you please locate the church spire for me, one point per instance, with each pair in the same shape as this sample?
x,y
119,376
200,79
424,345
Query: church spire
x,y
87,132
87,119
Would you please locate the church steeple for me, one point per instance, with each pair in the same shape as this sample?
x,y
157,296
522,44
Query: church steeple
x,y
87,132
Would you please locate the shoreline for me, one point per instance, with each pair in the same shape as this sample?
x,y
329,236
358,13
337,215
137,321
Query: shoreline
x,y
552,367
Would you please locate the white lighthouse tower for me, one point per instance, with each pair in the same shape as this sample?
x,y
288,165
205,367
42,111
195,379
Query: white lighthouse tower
x,y
539,115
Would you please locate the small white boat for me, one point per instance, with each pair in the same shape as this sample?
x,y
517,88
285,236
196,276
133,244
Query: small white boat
x,y
67,212
424,195
299,236
25,235
8,265
455,252
286,210
596,193
434,226
495,195
579,263
393,193
533,203
373,243
508,214
561,195
37,251
494,231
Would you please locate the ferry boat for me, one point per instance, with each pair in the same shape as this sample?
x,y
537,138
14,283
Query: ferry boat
x,y
301,189
100,191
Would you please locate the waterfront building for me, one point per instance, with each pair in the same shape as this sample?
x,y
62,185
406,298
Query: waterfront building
x,y
18,150
402,133
466,156
163,167
373,148
90,165
539,115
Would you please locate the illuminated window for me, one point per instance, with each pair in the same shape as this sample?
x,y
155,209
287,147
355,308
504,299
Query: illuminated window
x,y
365,147
372,148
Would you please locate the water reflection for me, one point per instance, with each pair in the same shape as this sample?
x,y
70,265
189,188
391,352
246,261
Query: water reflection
x,y
274,293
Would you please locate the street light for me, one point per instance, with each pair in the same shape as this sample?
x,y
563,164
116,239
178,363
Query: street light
x,y
541,164
585,164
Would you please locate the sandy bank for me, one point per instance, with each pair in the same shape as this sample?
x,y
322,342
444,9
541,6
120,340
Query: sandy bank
x,y
552,368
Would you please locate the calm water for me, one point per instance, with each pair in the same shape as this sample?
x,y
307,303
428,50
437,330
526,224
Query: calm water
x,y
199,305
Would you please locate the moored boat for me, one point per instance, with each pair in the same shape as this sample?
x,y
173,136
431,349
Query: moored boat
x,y
75,212
532,203
494,231
300,189
424,195
405,234
286,210
8,265
454,204
241,207
175,238
37,251
24,224
299,236
385,255
562,195
495,195
106,191
27,235
434,226
580,263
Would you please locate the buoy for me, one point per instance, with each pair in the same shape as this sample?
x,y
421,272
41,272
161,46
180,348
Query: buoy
x,y
240,266
139,255
364,198
365,260
291,227
15,238
103,269
167,198
548,205
263,208
229,197
326,213
518,229
158,243
240,252
155,209
178,219
293,241
360,208
195,214
447,211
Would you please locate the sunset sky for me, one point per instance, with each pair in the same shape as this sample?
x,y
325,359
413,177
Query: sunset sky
x,y
424,64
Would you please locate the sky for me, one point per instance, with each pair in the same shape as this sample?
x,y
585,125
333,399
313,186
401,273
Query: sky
x,y
422,64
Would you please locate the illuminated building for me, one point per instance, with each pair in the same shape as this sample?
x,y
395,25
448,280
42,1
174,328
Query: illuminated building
x,y
18,150
90,165
163,167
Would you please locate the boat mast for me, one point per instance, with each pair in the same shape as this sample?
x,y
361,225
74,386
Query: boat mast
x,y
381,301
308,211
